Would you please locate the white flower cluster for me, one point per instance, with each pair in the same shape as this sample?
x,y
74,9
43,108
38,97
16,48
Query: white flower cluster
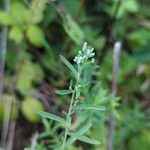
x,y
85,54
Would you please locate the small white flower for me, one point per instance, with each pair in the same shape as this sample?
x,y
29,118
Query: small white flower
x,y
80,52
79,85
84,46
84,54
88,52
92,54
93,60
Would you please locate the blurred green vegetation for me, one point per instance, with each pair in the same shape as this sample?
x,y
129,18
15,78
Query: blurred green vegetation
x,y
41,30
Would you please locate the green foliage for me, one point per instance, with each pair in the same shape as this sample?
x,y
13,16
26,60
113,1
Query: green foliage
x,y
16,34
5,19
25,22
78,135
38,32
136,38
73,30
63,92
8,100
130,6
27,76
35,35
88,107
141,141
29,108
52,117
67,63
81,60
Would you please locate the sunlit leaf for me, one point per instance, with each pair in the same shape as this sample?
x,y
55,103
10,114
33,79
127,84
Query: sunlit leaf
x,y
30,106
5,19
19,12
26,76
16,34
35,35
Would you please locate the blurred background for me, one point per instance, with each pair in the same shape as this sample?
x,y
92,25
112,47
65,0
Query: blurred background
x,y
33,33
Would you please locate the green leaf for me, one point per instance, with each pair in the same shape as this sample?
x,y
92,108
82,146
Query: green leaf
x,y
83,129
20,13
16,34
38,70
136,39
52,117
35,35
88,140
142,55
130,6
46,124
88,107
37,8
5,19
69,65
63,92
79,133
73,30
26,76
71,140
29,107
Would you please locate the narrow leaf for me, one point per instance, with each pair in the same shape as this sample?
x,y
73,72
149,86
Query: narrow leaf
x,y
79,133
63,92
73,30
69,65
88,140
71,140
89,107
46,124
52,117
83,129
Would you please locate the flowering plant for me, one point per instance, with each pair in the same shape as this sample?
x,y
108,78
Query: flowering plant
x,y
85,54
84,57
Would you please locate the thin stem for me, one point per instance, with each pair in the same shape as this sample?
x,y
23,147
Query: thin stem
x,y
68,115
71,105
111,128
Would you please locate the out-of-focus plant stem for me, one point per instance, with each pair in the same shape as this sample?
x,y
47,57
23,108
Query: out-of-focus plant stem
x,y
3,48
115,69
109,38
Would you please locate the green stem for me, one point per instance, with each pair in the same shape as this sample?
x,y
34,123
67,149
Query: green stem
x,y
71,106
68,115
